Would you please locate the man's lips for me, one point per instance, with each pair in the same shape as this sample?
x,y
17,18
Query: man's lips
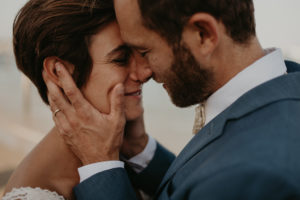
x,y
156,79
134,93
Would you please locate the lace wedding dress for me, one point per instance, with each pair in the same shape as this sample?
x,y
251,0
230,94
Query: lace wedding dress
x,y
28,193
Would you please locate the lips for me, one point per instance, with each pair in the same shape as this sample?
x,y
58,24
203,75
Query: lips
x,y
156,79
134,93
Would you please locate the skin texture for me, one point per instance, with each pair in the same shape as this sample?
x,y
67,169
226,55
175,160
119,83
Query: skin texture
x,y
204,54
106,74
185,85
109,89
59,167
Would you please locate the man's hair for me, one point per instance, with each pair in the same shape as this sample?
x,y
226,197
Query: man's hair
x,y
61,28
168,17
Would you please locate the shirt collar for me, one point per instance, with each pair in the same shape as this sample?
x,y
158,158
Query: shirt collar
x,y
268,67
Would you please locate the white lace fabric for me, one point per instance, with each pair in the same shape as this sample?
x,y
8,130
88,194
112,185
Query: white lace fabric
x,y
28,193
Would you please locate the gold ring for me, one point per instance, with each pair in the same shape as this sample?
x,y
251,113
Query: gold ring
x,y
56,111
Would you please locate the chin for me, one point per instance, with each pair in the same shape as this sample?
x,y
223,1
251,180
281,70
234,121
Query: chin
x,y
134,113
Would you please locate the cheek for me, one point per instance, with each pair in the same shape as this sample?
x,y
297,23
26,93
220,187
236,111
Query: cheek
x,y
95,92
161,62
98,90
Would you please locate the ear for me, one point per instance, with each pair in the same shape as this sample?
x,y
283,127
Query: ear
x,y
202,33
49,67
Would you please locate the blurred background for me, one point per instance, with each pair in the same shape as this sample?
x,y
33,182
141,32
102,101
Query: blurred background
x,y
24,119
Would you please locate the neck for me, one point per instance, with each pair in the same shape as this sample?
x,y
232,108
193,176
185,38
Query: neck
x,y
234,58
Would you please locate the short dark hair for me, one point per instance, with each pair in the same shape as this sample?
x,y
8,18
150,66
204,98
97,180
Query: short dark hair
x,y
60,28
168,17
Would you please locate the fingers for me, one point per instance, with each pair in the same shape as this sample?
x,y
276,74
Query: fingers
x,y
56,96
60,120
117,101
57,101
70,89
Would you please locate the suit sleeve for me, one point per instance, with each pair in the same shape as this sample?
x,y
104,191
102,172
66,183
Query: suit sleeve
x,y
112,184
150,178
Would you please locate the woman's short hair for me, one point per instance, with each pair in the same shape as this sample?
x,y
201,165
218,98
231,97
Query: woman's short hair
x,y
61,28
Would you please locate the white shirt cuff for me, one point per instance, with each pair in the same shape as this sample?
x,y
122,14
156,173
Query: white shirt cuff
x,y
87,171
142,160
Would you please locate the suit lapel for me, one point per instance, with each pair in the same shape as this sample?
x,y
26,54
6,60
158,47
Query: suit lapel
x,y
276,90
207,135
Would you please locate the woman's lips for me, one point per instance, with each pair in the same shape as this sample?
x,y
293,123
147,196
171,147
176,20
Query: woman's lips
x,y
135,93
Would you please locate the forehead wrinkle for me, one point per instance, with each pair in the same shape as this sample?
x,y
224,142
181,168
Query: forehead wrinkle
x,y
120,48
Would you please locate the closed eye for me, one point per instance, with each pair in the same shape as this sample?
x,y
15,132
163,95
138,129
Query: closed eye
x,y
122,59
143,53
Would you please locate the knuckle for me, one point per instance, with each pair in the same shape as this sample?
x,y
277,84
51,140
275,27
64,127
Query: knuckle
x,y
69,92
85,112
53,110
54,98
75,124
67,131
119,127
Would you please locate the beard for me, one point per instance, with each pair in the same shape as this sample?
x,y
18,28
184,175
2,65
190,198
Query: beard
x,y
187,82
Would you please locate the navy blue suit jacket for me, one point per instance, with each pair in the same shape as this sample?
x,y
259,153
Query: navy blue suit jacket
x,y
250,151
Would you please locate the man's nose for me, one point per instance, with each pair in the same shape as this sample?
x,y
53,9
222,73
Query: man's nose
x,y
141,70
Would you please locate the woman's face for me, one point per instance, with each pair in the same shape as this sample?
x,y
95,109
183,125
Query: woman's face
x,y
112,64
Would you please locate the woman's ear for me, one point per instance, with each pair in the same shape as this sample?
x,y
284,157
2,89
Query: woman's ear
x,y
49,67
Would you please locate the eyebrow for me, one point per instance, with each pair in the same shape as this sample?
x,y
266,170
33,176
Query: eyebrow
x,y
136,47
120,48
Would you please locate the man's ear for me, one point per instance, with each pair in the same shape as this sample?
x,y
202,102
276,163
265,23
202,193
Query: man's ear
x,y
202,33
49,67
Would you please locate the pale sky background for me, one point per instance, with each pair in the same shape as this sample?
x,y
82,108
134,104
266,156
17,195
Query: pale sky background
x,y
278,21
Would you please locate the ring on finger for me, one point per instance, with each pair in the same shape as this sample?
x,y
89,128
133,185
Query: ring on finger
x,y
56,111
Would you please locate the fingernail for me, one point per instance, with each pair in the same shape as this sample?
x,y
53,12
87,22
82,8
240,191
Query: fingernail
x,y
58,67
120,89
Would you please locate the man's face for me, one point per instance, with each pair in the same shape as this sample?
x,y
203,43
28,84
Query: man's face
x,y
173,66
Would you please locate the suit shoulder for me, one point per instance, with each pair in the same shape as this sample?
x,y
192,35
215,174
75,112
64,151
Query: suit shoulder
x,y
283,113
292,66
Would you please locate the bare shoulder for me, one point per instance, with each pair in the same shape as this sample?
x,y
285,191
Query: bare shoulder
x,y
50,165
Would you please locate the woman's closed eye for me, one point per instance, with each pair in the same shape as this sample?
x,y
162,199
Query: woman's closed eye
x,y
122,59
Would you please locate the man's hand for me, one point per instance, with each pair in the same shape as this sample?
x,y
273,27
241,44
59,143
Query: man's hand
x,y
92,136
135,138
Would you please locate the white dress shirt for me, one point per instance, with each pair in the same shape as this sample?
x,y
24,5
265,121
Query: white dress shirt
x,y
268,67
138,162
265,69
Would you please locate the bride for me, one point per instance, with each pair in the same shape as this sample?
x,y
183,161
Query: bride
x,y
84,36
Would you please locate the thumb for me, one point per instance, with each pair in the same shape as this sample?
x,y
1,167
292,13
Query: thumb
x,y
117,101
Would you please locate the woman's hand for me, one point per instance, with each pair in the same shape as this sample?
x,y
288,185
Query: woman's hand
x,y
91,135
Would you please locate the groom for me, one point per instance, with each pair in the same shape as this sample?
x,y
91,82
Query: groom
x,y
247,128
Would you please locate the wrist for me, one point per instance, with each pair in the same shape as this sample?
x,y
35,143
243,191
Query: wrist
x,y
87,160
134,146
